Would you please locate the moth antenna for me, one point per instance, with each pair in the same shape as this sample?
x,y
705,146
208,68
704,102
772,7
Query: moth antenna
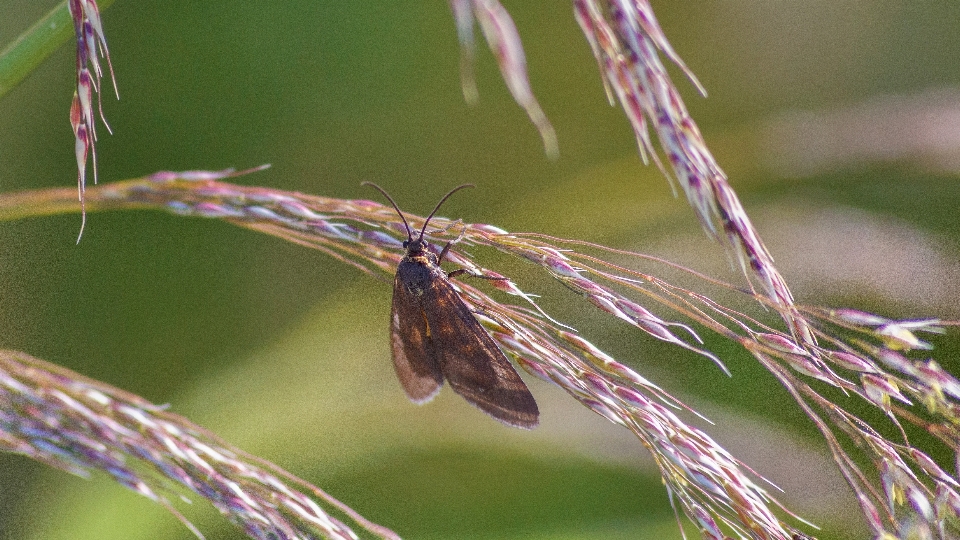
x,y
397,208
445,197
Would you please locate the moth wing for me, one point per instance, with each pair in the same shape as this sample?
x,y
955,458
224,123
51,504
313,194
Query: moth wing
x,y
414,358
474,365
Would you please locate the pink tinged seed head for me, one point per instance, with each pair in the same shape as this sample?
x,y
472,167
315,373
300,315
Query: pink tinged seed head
x,y
652,426
608,305
488,229
504,40
82,111
93,15
76,12
85,91
930,467
898,337
708,484
81,147
533,368
90,55
872,515
163,176
636,311
677,460
920,503
504,284
597,386
604,361
336,230
708,526
298,209
586,347
366,205
76,113
646,419
932,374
808,366
603,410
463,16
86,15
851,361
560,268
657,330
880,389
645,91
632,397
454,257
780,343
203,176
514,345
380,238
259,213
949,498
88,30
858,318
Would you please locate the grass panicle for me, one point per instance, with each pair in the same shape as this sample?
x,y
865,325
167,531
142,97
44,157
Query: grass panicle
x,y
91,46
504,40
866,357
67,421
627,41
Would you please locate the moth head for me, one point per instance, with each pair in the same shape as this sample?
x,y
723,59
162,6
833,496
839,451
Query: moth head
x,y
419,245
415,246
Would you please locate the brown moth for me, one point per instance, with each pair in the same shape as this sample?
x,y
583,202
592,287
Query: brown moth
x,y
434,336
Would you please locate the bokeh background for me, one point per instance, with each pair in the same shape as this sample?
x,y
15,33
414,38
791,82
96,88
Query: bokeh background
x,y
838,122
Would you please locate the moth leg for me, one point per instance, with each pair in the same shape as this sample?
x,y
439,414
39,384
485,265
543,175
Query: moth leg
x,y
456,240
461,271
463,231
443,252
451,225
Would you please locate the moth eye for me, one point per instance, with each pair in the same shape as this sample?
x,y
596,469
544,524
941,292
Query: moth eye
x,y
406,244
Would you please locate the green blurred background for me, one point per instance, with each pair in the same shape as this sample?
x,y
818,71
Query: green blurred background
x,y
817,110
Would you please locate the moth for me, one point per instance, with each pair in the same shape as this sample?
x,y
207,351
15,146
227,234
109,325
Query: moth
x,y
435,337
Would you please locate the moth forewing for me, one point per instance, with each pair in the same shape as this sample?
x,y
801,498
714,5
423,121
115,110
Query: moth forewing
x,y
476,367
419,373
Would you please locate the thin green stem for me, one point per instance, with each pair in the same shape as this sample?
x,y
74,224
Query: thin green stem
x,y
39,203
34,45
